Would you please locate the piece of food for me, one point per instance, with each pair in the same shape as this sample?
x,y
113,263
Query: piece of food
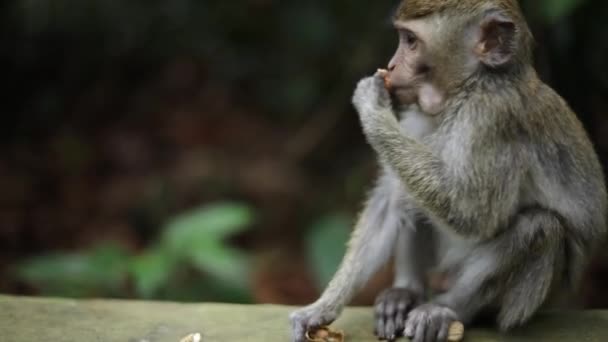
x,y
325,334
387,81
456,332
192,338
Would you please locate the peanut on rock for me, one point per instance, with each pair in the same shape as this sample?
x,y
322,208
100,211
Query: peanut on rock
x,y
456,332
192,338
325,334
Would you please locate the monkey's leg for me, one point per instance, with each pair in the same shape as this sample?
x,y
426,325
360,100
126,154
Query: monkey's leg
x,y
515,272
414,254
370,247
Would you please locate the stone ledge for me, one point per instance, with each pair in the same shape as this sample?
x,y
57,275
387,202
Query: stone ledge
x,y
60,320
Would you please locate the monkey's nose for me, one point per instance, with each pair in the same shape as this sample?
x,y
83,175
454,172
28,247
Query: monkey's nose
x,y
392,64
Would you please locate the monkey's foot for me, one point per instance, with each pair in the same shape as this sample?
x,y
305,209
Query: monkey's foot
x,y
310,318
430,323
391,309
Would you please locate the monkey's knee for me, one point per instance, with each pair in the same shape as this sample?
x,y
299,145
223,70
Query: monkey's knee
x,y
392,307
540,270
526,294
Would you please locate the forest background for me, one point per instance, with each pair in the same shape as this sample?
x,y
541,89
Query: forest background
x,y
207,150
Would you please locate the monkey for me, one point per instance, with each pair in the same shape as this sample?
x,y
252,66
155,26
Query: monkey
x,y
486,175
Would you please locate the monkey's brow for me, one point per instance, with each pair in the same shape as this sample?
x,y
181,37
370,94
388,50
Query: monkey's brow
x,y
399,25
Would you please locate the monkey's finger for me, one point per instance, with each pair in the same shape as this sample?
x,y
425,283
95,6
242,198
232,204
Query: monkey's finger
x,y
389,329
379,306
379,317
397,312
410,328
380,332
299,333
300,325
404,304
390,307
432,329
400,322
381,82
442,335
420,331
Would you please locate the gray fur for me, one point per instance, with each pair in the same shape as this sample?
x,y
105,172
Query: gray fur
x,y
504,214
507,189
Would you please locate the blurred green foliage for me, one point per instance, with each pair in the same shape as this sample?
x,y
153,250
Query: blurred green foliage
x,y
553,10
194,241
284,61
326,245
101,270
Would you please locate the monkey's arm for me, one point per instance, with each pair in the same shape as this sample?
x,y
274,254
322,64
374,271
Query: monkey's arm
x,y
370,247
473,207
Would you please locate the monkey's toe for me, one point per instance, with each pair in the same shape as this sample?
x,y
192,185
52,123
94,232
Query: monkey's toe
x,y
429,323
391,309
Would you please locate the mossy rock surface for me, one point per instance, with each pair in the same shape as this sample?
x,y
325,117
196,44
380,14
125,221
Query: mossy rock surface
x,y
50,320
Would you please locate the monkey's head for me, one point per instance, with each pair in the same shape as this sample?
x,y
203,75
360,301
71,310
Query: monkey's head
x,y
444,43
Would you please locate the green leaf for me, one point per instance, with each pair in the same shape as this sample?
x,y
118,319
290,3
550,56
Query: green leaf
x,y
197,228
222,262
101,271
151,271
326,245
109,264
198,237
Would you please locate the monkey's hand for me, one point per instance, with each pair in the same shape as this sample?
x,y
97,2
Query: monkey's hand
x,y
373,103
371,95
310,318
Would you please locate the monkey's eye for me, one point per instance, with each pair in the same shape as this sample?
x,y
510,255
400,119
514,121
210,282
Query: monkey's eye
x,y
409,38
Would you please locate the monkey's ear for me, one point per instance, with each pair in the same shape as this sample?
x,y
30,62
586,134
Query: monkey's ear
x,y
497,39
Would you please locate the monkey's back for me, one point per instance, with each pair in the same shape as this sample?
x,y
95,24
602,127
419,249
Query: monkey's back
x,y
565,169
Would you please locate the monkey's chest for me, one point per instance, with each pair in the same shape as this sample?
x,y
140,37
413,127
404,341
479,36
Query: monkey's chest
x,y
418,125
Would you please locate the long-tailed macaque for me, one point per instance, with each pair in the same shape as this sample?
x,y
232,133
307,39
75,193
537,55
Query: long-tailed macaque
x,y
488,177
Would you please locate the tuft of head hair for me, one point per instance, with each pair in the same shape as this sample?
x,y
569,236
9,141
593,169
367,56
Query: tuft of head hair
x,y
411,9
